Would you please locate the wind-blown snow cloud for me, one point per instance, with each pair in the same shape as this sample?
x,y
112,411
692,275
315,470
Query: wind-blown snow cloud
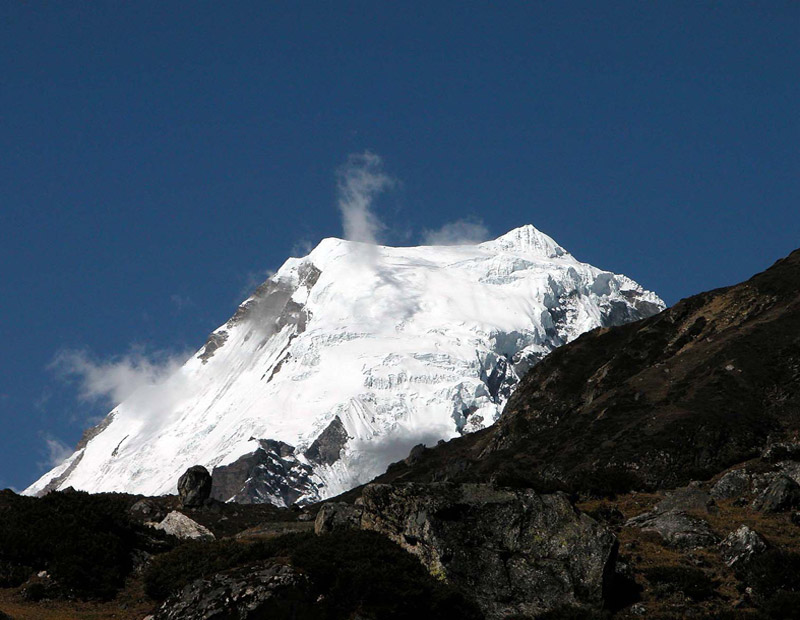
x,y
111,382
57,452
360,181
459,232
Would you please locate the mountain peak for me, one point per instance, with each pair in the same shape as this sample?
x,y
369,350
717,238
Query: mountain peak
x,y
528,240
344,359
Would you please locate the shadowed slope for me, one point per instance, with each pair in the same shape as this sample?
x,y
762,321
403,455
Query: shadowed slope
x,y
680,395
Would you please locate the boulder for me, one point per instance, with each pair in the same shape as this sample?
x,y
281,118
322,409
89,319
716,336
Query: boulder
x,y
179,525
741,545
194,487
271,591
733,484
686,499
676,528
514,552
146,510
781,495
671,519
337,516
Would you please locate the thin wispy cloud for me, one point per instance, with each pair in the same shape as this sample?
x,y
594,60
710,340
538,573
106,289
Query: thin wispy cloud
x,y
56,452
180,301
112,381
360,181
252,281
459,232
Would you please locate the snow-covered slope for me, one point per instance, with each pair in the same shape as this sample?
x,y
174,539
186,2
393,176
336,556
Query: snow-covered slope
x,y
344,360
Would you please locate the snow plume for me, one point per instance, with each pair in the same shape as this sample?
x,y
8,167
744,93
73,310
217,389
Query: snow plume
x,y
460,232
360,181
57,452
110,382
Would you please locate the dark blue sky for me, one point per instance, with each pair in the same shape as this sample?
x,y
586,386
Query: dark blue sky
x,y
158,157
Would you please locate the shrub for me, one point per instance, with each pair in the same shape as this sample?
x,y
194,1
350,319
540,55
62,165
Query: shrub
x,y
692,582
13,575
192,560
784,605
574,613
605,482
365,572
771,571
84,541
351,572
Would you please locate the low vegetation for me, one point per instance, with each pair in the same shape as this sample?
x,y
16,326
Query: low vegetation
x,y
350,571
85,542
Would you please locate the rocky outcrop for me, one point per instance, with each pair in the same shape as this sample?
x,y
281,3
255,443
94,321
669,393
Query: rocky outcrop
x,y
512,551
328,446
677,529
338,516
675,519
179,525
272,591
194,487
741,545
272,474
782,494
733,484
147,510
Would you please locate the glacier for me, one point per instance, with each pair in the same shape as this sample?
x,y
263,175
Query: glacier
x,y
345,359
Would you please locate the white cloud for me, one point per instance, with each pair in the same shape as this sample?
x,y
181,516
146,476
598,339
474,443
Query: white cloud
x,y
252,281
459,232
180,301
112,381
57,452
361,180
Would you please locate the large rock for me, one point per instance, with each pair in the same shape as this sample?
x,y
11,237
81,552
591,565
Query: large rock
x,y
781,495
273,591
179,525
338,516
675,519
512,551
733,484
194,487
686,499
146,510
741,545
676,528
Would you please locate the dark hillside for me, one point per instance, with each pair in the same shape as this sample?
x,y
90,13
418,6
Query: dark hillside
x,y
653,404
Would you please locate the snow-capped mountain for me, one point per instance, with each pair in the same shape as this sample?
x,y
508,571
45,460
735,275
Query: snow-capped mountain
x,y
345,359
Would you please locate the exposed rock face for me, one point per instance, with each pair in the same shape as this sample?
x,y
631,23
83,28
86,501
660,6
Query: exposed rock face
x,y
273,591
741,545
338,516
194,487
327,448
781,495
272,475
179,525
513,551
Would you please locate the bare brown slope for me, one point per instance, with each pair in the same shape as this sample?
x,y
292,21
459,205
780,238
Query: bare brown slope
x,y
681,395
